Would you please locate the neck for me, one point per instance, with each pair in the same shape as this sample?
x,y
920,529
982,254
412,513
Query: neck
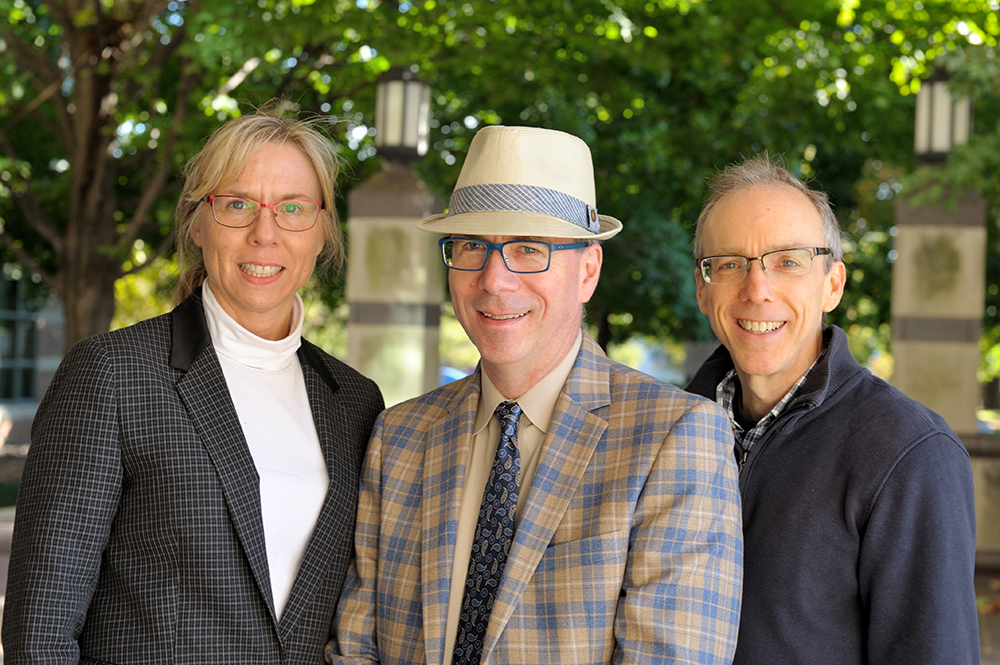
x,y
273,330
759,397
516,378
513,384
761,392
271,325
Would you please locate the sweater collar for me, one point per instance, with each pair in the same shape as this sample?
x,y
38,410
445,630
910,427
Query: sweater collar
x,y
235,342
833,370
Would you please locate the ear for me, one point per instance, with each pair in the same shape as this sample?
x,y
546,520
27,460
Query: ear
x,y
196,232
699,285
833,287
590,270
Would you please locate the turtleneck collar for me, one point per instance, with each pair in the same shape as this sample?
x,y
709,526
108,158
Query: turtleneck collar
x,y
235,342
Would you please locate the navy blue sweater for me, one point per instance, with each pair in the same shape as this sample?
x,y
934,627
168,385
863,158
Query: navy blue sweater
x,y
859,526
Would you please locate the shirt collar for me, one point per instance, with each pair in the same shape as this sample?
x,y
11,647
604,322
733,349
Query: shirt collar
x,y
233,341
538,403
725,395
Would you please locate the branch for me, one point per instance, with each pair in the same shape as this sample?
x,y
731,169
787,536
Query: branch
x,y
28,202
32,63
33,105
161,249
30,60
62,14
324,59
29,261
161,52
165,52
153,188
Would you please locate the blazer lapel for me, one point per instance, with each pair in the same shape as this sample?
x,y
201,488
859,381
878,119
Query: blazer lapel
x,y
574,433
205,395
447,454
339,507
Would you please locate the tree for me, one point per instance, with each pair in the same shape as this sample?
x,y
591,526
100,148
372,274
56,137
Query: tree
x,y
664,91
87,195
102,102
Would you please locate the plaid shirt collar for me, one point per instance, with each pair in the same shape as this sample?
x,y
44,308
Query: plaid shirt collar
x,y
725,395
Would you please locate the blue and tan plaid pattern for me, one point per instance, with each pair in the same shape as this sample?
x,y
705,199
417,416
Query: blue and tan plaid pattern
x,y
629,548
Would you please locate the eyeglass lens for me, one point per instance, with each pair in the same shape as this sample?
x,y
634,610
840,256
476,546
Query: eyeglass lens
x,y
239,212
519,255
782,264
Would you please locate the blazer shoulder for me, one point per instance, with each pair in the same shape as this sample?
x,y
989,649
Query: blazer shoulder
x,y
339,375
423,411
629,384
597,380
146,342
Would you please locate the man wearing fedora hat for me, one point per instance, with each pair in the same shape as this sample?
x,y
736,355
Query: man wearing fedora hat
x,y
554,506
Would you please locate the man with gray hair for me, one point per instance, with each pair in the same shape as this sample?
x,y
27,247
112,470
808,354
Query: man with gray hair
x,y
554,506
858,513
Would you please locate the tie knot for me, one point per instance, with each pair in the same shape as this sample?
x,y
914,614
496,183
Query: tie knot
x,y
508,414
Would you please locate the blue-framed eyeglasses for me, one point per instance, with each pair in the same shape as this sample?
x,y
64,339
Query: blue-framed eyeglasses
x,y
520,256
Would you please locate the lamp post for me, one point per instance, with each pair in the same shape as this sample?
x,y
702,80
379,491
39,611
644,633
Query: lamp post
x,y
938,292
402,115
941,121
395,279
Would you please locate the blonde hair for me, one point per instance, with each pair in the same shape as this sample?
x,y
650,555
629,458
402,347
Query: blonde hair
x,y
221,160
762,170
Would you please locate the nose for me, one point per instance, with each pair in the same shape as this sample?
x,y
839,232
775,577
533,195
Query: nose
x,y
495,276
264,230
756,285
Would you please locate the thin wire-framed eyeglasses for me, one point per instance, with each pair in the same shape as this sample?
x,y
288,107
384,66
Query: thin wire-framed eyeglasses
x,y
238,212
520,256
779,264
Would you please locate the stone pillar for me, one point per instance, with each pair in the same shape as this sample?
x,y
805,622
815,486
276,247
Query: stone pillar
x,y
938,294
938,291
395,283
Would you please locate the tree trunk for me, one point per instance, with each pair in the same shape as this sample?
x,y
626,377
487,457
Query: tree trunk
x,y
89,305
603,328
90,261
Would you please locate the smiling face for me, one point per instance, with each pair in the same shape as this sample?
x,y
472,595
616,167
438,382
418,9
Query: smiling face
x,y
523,324
772,328
255,272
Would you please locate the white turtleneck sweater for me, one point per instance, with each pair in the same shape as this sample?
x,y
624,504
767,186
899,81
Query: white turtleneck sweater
x,y
268,390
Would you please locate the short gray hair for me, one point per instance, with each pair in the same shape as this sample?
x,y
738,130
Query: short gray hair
x,y
762,170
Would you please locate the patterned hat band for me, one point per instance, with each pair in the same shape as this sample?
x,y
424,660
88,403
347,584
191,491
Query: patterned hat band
x,y
525,198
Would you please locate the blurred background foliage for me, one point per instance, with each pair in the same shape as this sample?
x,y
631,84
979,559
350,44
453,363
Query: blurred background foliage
x,y
101,102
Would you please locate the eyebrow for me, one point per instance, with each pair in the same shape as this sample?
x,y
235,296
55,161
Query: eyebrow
x,y
777,248
512,239
285,197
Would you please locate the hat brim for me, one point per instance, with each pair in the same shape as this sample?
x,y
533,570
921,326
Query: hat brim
x,y
516,223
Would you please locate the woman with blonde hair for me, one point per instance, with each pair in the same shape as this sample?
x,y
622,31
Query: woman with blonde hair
x,y
189,494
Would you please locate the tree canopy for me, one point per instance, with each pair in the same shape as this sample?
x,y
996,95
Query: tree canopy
x,y
102,101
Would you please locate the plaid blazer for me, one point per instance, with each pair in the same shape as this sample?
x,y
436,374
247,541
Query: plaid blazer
x,y
629,548
138,536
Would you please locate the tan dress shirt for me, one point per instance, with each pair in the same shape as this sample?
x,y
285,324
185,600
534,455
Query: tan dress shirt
x,y
537,406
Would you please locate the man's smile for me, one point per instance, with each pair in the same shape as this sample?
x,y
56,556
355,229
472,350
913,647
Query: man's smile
x,y
759,326
502,317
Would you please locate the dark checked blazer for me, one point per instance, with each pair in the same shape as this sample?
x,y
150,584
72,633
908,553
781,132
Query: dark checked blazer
x,y
138,534
629,548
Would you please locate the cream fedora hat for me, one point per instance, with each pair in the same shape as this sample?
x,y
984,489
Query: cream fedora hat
x,y
525,181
